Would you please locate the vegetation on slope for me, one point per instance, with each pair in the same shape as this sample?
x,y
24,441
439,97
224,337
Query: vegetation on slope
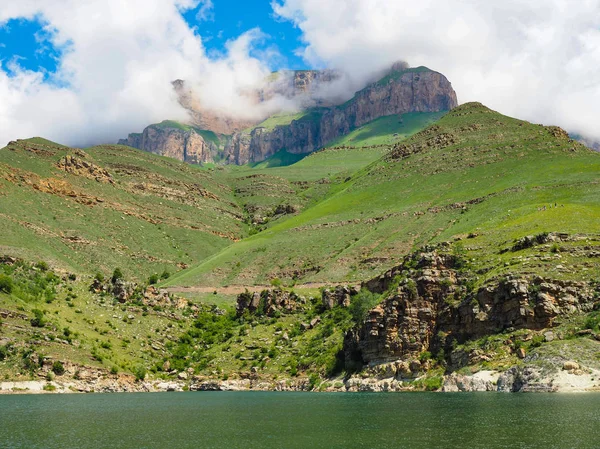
x,y
110,206
474,172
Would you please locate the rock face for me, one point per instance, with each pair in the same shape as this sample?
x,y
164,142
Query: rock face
x,y
182,144
432,309
269,302
77,165
401,91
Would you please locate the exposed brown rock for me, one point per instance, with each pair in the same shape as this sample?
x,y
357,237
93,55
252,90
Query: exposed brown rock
x,y
182,144
269,302
81,167
399,93
431,308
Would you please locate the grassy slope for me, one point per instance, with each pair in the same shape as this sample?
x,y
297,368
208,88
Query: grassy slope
x,y
209,136
370,221
152,218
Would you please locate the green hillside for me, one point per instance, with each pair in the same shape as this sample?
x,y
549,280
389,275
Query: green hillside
x,y
125,208
474,172
505,198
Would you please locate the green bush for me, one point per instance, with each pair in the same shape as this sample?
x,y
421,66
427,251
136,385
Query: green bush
x,y
593,321
3,353
153,279
42,266
433,383
139,372
38,319
361,303
165,275
117,275
537,341
276,282
6,284
58,368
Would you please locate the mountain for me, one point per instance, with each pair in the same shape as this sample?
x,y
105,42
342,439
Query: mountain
x,y
401,91
432,250
178,141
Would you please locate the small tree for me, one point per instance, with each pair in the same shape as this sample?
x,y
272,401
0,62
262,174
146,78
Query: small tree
x,y
6,284
117,275
58,368
38,319
153,279
139,372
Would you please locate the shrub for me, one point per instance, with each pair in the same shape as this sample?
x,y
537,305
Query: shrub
x,y
42,266
276,282
362,303
117,275
139,372
593,321
58,368
6,284
99,277
3,353
165,275
424,356
114,369
537,341
153,279
38,319
433,383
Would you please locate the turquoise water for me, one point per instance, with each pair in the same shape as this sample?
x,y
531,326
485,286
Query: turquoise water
x,y
300,420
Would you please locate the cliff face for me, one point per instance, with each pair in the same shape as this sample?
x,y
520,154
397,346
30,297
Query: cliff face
x,y
432,309
402,91
182,144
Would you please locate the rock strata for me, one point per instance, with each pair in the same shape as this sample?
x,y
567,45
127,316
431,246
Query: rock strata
x,y
184,144
401,91
269,302
431,310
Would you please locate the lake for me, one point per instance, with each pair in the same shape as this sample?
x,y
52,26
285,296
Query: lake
x,y
299,420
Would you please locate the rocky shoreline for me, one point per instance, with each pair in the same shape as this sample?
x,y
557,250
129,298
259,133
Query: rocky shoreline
x,y
519,379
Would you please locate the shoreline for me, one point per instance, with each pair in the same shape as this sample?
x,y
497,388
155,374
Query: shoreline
x,y
528,379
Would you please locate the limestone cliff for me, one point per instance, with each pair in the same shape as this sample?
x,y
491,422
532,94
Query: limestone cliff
x,y
401,91
429,307
184,144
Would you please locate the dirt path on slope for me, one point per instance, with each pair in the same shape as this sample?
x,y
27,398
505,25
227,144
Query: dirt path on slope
x,y
237,289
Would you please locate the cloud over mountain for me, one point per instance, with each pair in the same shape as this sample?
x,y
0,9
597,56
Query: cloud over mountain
x,y
115,73
538,59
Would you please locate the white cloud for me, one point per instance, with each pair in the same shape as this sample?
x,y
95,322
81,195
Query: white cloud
x,y
115,75
535,59
206,11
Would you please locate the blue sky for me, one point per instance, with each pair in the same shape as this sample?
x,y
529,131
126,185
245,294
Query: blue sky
x,y
26,42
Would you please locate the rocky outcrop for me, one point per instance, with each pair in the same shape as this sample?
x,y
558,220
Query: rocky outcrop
x,y
432,309
401,91
339,296
269,302
182,143
76,165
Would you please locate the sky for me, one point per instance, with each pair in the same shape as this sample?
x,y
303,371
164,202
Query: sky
x,y
83,73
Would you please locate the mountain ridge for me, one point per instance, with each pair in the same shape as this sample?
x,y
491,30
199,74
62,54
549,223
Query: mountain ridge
x,y
402,90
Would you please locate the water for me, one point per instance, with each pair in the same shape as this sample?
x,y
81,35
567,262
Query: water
x,y
300,420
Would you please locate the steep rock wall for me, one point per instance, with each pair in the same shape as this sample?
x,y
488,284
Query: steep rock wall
x,y
432,307
410,90
181,144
